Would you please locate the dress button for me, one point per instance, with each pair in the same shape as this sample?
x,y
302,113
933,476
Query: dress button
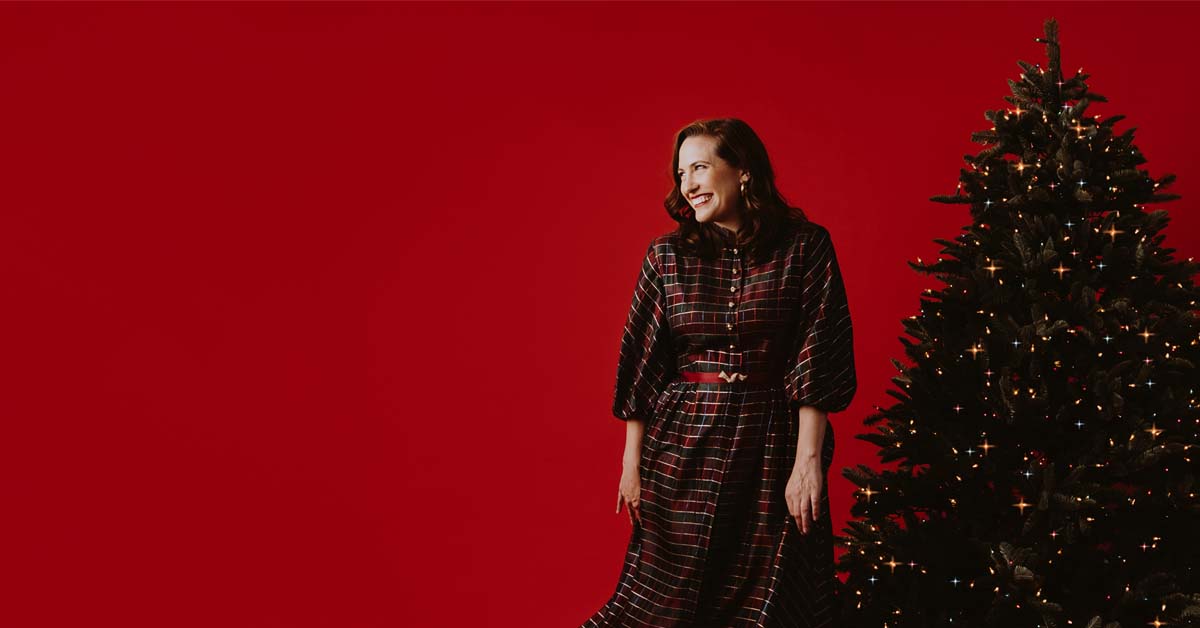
x,y
732,288
731,346
731,304
735,271
735,251
728,325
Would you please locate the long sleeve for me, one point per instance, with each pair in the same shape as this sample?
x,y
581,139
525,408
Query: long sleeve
x,y
647,359
822,374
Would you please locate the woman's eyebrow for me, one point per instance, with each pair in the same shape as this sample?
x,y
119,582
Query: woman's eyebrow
x,y
698,161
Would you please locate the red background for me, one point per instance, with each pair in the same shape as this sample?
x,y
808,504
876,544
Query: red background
x,y
312,311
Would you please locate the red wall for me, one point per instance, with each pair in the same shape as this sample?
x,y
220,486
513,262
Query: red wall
x,y
311,312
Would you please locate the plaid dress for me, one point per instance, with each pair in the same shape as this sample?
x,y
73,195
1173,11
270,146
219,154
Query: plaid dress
x,y
716,546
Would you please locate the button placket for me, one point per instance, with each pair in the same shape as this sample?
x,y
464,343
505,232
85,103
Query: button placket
x,y
733,288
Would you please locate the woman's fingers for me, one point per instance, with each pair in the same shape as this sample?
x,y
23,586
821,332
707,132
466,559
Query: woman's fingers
x,y
634,506
803,496
793,506
630,507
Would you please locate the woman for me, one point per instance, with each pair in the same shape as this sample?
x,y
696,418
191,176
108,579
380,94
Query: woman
x,y
737,345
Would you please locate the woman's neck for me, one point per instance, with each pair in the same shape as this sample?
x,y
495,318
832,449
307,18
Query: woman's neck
x,y
734,227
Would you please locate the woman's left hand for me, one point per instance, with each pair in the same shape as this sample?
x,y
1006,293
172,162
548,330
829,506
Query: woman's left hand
x,y
803,493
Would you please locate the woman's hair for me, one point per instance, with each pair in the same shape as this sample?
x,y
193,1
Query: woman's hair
x,y
765,214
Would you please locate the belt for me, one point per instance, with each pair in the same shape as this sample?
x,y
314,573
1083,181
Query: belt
x,y
730,377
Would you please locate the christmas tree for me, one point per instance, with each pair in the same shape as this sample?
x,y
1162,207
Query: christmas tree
x,y
1044,435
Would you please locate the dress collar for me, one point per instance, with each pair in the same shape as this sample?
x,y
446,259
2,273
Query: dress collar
x,y
727,236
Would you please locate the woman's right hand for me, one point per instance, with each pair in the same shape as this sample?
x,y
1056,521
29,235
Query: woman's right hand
x,y
630,492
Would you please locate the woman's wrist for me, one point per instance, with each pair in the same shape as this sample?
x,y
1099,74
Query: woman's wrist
x,y
633,443
803,459
810,435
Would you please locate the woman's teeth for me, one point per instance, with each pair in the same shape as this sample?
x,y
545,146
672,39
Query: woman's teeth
x,y
703,199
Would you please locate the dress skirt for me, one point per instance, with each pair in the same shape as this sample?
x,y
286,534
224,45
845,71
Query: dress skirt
x,y
716,546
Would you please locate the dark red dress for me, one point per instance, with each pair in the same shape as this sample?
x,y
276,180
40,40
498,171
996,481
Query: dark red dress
x,y
717,546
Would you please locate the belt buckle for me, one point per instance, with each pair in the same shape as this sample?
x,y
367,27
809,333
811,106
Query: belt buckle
x,y
731,377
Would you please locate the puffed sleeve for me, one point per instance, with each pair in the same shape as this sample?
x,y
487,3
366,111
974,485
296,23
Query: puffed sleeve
x,y
647,360
822,374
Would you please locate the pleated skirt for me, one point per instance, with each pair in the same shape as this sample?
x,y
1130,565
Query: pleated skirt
x,y
716,546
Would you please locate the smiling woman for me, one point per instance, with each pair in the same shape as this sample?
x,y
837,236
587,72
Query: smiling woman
x,y
711,184
724,180
737,345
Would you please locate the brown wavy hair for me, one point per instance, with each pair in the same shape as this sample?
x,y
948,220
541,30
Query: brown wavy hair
x,y
765,213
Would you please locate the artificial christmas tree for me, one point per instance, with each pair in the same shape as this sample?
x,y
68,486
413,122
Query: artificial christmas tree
x,y
1044,436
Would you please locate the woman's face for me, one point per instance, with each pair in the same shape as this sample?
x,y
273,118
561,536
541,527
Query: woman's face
x,y
710,185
